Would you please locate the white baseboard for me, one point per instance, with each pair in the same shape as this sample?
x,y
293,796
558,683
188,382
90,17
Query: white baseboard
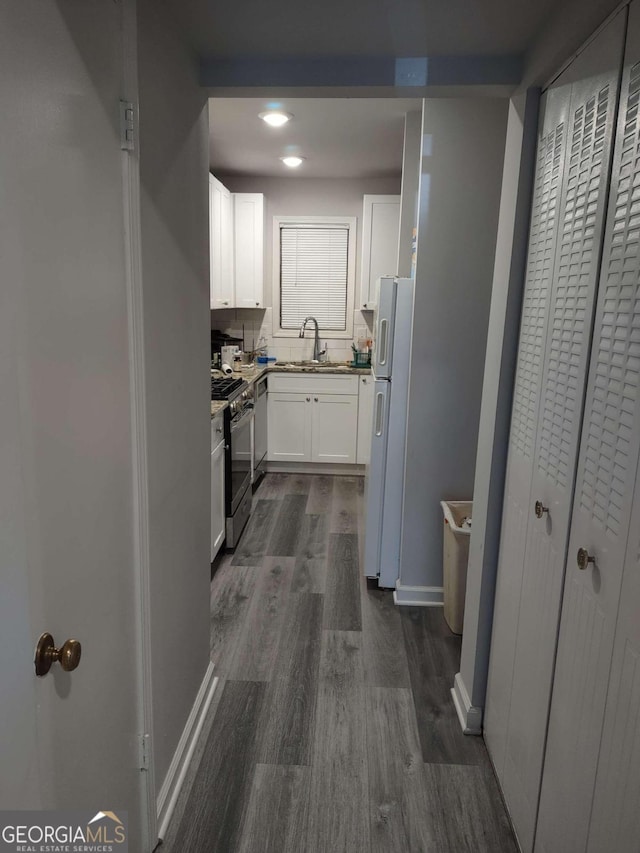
x,y
346,470
175,777
419,596
470,716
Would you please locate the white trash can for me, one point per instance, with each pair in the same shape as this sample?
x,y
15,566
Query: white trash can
x,y
457,533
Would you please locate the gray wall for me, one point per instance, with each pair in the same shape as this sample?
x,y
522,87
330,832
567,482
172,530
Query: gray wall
x,y
495,414
410,184
462,157
296,196
572,23
174,213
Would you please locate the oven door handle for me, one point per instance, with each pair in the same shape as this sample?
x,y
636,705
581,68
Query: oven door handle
x,y
246,415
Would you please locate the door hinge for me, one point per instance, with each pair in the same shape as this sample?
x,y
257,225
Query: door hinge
x,y
144,745
127,126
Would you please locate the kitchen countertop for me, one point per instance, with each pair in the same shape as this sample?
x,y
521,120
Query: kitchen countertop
x,y
323,367
218,406
253,372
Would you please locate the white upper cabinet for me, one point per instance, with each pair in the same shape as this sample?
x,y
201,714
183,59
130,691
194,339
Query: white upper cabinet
x,y
220,244
236,247
248,222
380,228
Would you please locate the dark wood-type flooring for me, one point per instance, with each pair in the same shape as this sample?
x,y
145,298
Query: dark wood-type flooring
x,y
332,728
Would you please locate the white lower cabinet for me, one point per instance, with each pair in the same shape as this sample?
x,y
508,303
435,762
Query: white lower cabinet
x,y
217,485
289,427
334,428
312,418
365,419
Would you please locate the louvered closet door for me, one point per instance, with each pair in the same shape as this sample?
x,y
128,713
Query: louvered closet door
x,y
533,331
601,525
567,222
615,822
593,78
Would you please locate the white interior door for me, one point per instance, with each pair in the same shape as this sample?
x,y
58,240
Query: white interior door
x,y
593,83
69,739
600,523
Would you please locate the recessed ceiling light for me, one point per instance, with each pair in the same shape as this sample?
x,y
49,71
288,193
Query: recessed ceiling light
x,y
292,161
275,118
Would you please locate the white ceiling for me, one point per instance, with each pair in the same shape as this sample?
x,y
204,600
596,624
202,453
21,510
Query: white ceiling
x,y
341,138
362,27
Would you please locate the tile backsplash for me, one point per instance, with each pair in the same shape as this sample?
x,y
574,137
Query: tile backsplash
x,y
257,323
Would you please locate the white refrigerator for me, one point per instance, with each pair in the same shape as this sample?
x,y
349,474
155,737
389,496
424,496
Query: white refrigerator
x,y
391,357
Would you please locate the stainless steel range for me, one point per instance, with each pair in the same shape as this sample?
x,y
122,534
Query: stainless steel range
x,y
238,417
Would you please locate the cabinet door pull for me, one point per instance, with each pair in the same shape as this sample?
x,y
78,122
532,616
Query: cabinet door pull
x,y
382,341
379,415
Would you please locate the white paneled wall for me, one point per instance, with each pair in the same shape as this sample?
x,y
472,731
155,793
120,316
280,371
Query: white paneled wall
x,y
258,323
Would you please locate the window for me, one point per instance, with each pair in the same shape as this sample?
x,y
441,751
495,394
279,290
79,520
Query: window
x,y
313,274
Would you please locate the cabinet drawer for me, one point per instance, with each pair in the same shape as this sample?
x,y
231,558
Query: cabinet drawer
x,y
313,383
217,430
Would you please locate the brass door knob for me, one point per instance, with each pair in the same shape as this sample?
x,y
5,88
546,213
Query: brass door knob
x,y
540,509
584,558
68,656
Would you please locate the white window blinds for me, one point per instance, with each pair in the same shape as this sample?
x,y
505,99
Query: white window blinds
x,y
314,275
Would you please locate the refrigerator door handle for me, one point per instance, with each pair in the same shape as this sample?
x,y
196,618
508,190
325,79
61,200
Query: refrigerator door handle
x,y
383,330
379,414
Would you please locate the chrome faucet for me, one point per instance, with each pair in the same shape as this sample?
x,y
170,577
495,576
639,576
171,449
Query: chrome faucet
x,y
316,340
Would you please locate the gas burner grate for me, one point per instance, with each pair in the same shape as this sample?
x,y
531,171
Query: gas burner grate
x,y
222,389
